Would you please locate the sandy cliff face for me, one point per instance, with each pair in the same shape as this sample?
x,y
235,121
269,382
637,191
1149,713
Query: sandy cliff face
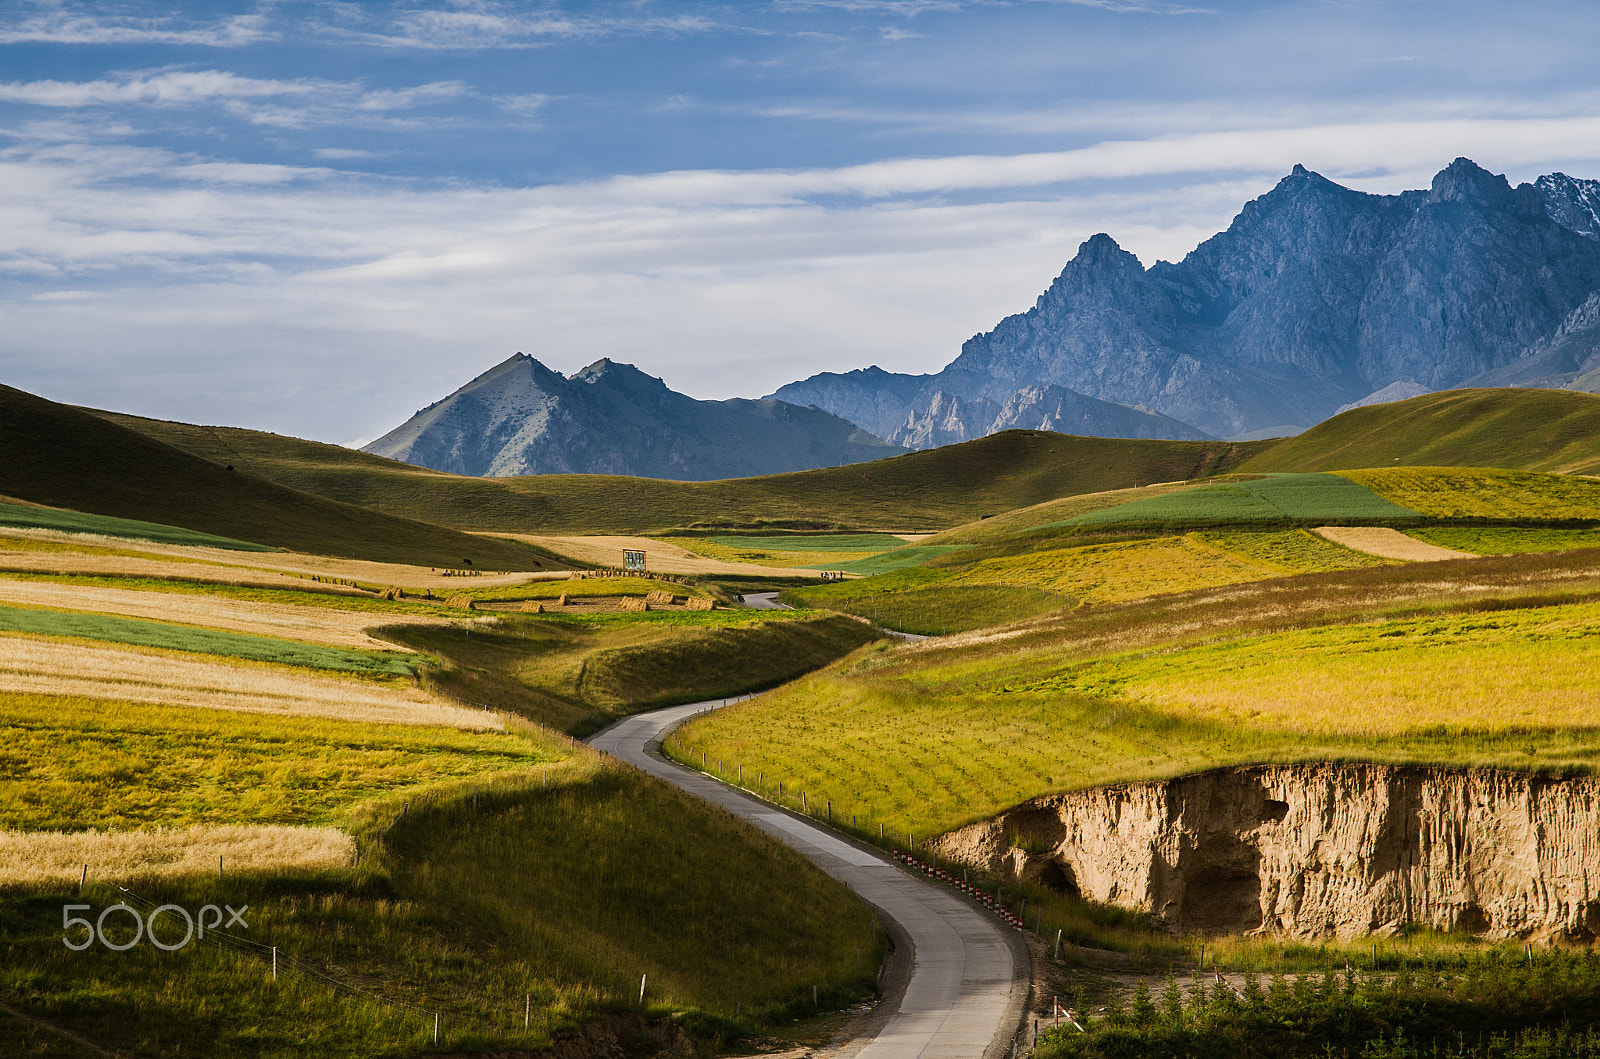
x,y
1317,850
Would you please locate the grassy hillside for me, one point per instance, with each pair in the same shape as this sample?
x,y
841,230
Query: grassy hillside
x,y
1533,430
922,490
405,855
64,457
1477,661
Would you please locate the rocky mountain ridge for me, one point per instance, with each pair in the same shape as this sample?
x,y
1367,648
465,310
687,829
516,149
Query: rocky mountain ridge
x,y
1316,297
520,417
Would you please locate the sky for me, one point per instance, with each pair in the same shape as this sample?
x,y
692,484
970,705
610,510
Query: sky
x,y
316,218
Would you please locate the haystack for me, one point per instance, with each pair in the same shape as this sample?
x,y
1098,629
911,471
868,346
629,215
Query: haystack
x,y
462,603
660,596
702,603
634,603
533,606
561,600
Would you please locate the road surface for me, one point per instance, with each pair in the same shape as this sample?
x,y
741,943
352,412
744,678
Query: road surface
x,y
968,977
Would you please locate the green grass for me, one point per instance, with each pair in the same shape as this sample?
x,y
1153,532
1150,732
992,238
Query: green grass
x,y
927,740
309,596
69,764
471,906
940,609
1319,498
1500,540
899,559
1533,430
814,542
920,491
1291,551
67,458
1485,493
22,516
1466,1005
191,638
580,674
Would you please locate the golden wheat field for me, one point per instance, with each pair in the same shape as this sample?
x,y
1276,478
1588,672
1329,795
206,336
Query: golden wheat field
x,y
321,625
56,857
51,666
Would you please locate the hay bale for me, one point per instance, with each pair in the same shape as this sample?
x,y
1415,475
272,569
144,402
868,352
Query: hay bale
x,y
462,603
660,596
702,603
634,603
562,601
391,593
533,606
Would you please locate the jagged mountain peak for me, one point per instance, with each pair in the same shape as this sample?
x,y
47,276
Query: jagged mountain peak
x,y
519,417
1314,297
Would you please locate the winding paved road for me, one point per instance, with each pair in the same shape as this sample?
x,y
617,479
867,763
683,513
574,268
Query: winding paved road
x,y
968,977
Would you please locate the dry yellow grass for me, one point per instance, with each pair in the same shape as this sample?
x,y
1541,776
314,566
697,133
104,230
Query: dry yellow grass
x,y
1388,543
1111,573
56,857
323,625
661,557
50,666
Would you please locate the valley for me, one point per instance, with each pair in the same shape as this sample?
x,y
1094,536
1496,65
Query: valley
x,y
1168,706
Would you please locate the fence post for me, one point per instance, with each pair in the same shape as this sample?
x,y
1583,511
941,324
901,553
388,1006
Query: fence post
x,y
274,963
435,1027
527,1010
82,879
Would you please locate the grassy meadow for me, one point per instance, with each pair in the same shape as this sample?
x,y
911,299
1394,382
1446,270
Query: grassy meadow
x,y
578,673
1485,493
407,851
537,898
931,736
23,516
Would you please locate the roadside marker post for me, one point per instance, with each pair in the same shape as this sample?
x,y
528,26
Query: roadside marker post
x,y
82,879
643,978
274,963
527,1010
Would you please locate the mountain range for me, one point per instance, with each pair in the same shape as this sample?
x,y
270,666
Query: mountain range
x,y
519,417
1316,297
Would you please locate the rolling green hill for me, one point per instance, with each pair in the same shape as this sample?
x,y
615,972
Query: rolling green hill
x,y
927,490
64,457
1528,430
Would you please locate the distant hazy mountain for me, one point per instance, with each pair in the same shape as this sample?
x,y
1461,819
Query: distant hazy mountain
x,y
1317,297
520,417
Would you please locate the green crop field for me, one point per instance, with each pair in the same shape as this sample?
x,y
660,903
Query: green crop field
x,y
1484,493
932,736
899,559
1532,430
310,596
111,629
1320,498
814,542
22,516
1502,540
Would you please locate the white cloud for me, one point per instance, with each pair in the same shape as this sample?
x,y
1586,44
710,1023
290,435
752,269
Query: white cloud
x,y
296,103
57,23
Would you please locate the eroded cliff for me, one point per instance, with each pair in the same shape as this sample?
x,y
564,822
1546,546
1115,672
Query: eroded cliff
x,y
1317,850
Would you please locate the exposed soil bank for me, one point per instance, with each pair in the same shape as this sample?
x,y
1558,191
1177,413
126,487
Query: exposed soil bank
x,y
1316,850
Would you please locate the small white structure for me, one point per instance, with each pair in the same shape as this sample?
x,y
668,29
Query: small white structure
x,y
633,560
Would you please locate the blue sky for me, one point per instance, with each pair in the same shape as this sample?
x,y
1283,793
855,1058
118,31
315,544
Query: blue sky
x,y
315,218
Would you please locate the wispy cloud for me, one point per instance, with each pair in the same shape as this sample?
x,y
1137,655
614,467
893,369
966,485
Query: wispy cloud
x,y
49,22
483,25
295,103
